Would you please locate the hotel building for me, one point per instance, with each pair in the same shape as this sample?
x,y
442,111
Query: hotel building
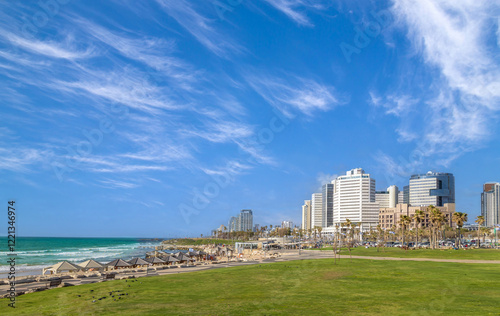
x,y
242,222
391,216
387,198
306,215
432,188
246,220
316,210
490,204
354,199
327,205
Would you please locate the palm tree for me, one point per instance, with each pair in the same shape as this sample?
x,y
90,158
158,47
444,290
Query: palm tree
x,y
404,222
459,218
485,230
480,221
418,217
436,217
381,233
335,242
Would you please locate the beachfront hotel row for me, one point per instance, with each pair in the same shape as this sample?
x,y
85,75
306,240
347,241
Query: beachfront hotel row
x,y
353,197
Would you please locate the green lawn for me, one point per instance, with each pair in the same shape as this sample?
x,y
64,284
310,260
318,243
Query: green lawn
x,y
470,254
308,287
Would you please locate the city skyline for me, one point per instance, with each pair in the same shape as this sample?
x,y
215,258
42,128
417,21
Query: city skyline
x,y
164,118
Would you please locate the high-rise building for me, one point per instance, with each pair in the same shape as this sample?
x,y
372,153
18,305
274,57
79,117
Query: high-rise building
x,y
327,205
246,220
306,215
490,204
382,198
393,195
354,199
234,224
316,210
287,224
406,195
432,188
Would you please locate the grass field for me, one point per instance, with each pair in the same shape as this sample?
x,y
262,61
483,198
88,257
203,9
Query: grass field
x,y
308,287
470,254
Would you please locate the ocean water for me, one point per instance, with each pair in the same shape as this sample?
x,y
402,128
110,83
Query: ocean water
x,y
35,253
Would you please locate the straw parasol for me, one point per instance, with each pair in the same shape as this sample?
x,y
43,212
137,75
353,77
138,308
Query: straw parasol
x,y
183,257
155,260
91,264
63,266
170,259
138,262
118,263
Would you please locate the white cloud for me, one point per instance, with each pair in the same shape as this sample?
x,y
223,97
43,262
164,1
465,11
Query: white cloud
x,y
50,48
116,184
152,51
222,131
297,94
231,169
200,27
454,112
397,105
20,159
294,9
324,178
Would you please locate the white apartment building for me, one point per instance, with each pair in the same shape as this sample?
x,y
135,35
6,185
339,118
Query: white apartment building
x,y
316,210
490,204
306,215
354,199
387,198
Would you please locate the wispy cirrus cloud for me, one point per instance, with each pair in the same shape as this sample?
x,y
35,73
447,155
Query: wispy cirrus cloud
x,y
458,109
156,53
296,94
50,48
116,184
451,38
295,9
200,27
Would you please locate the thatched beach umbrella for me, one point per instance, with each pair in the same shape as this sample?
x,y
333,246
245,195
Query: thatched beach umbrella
x,y
118,263
138,262
170,259
201,254
183,257
91,264
63,266
154,260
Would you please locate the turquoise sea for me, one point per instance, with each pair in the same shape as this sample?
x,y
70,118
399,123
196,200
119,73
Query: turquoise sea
x,y
35,253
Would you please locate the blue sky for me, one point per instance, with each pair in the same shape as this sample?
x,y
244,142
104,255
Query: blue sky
x,y
164,118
